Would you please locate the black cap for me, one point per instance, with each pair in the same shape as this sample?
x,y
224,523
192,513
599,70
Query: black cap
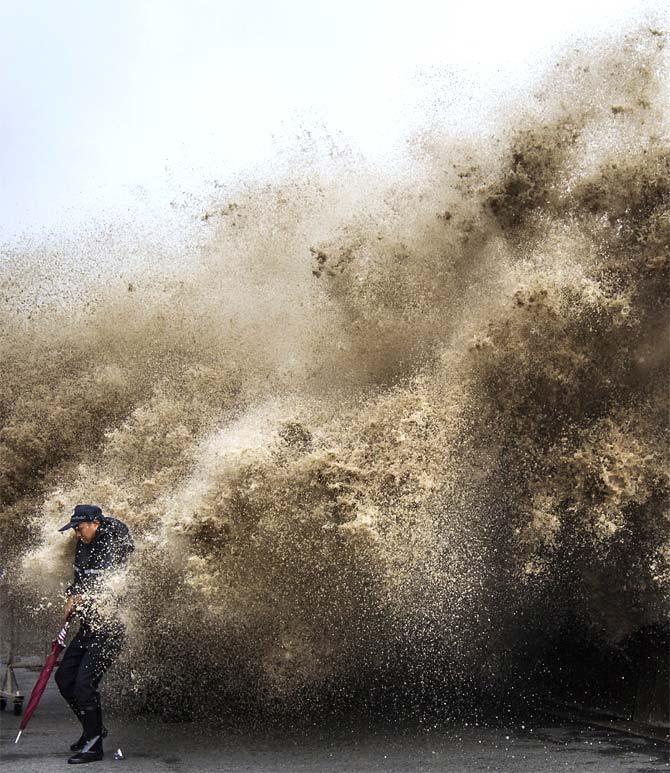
x,y
83,513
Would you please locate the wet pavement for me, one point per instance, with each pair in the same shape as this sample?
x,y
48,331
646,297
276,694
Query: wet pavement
x,y
150,745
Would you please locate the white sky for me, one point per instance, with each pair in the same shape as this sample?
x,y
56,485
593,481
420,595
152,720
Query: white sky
x,y
115,108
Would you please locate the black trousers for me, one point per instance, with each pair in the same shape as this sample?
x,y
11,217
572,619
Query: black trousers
x,y
85,660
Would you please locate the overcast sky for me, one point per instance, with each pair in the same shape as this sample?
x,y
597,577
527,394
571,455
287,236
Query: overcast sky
x,y
115,108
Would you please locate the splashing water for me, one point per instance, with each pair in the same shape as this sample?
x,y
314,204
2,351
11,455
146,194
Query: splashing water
x,y
382,435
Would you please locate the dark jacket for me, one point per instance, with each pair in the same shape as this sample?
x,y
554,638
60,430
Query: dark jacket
x,y
108,550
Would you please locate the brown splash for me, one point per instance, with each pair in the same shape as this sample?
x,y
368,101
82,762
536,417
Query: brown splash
x,y
378,434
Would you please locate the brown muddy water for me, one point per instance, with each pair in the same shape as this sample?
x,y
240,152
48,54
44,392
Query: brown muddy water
x,y
387,434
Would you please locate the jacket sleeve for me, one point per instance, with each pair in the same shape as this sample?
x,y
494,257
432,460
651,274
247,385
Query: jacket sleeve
x,y
76,586
85,582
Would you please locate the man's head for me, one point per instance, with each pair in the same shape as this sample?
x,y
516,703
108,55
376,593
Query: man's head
x,y
84,520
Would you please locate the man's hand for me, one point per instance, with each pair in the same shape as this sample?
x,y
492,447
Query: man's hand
x,y
71,605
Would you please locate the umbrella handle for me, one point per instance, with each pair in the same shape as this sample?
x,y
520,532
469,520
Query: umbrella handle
x,y
60,638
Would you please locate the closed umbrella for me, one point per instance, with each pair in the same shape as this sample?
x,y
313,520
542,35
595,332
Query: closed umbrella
x,y
57,646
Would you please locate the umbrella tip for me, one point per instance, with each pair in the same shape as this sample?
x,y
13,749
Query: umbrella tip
x,y
18,736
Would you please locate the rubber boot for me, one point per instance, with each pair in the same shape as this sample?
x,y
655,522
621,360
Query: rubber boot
x,y
92,750
72,703
77,745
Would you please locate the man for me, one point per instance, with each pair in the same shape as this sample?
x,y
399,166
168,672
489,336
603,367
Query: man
x,y
103,545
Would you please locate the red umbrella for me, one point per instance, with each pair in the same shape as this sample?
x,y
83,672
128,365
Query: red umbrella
x,y
57,646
